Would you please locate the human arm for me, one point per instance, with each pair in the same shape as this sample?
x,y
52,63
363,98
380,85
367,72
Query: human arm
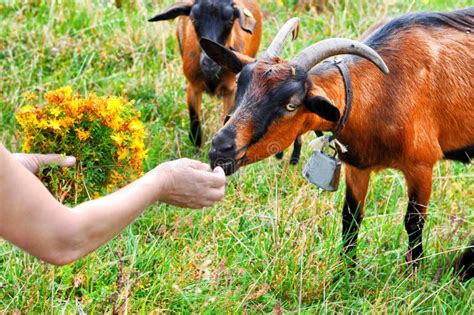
x,y
33,220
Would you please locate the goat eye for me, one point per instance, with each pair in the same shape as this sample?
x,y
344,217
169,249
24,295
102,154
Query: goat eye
x,y
291,107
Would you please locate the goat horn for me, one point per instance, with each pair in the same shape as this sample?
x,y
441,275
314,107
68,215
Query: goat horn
x,y
318,52
277,45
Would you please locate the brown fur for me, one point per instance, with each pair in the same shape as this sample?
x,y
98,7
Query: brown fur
x,y
422,109
275,140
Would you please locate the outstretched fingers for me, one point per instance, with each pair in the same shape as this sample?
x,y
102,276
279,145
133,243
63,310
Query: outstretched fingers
x,y
33,162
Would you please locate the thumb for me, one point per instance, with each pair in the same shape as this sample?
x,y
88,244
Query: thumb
x,y
219,170
67,161
63,161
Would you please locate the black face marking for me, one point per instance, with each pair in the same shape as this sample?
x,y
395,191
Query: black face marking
x,y
243,83
262,97
223,151
273,106
213,19
265,104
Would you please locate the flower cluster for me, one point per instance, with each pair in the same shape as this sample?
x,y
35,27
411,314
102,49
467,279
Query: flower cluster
x,y
104,133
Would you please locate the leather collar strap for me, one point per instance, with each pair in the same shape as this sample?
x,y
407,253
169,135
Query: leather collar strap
x,y
348,91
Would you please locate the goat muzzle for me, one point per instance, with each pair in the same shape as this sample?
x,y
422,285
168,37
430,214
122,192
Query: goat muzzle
x,y
223,151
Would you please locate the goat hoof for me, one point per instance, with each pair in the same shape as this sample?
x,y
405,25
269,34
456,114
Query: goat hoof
x,y
349,259
413,260
294,161
279,155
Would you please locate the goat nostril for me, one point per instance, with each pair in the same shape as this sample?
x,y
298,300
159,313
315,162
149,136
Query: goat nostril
x,y
222,145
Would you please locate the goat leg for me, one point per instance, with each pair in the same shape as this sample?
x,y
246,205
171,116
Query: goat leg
x,y
194,98
295,156
419,181
357,182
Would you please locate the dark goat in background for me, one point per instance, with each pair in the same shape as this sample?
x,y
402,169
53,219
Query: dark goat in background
x,y
236,24
420,113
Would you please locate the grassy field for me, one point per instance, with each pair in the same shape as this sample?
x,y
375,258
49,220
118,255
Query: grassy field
x,y
273,244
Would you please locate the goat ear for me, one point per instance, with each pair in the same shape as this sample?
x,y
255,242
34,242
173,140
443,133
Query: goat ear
x,y
223,56
321,106
177,9
246,19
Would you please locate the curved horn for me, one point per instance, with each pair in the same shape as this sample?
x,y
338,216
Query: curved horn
x,y
318,52
277,45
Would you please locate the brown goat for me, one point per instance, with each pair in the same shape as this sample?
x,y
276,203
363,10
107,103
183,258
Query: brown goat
x,y
419,113
236,24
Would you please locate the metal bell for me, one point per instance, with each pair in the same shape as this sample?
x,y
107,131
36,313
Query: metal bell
x,y
323,170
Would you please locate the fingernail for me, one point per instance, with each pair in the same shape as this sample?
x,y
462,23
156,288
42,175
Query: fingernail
x,y
69,160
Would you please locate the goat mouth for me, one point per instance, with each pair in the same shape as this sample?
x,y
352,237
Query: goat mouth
x,y
230,163
230,166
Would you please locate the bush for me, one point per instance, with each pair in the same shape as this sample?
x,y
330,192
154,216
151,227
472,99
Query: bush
x,y
104,133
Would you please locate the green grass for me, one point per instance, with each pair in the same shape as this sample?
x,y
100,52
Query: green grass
x,y
274,242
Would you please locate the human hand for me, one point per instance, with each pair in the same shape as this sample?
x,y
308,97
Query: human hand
x,y
33,162
190,184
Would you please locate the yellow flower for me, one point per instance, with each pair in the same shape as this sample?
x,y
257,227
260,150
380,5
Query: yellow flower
x,y
141,155
83,135
30,96
66,122
118,138
115,123
114,104
58,96
54,124
135,125
55,111
42,123
67,118
26,147
72,107
137,144
122,153
26,109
